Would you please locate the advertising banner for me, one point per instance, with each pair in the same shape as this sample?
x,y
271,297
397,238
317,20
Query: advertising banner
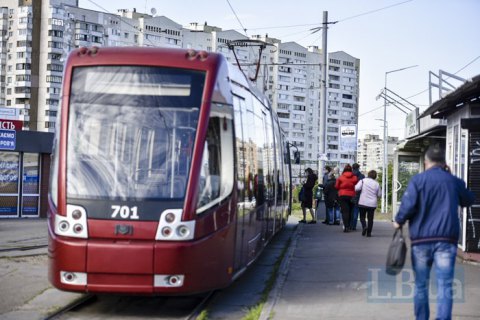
x,y
348,138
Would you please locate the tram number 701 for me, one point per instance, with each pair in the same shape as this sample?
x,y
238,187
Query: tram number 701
x,y
125,212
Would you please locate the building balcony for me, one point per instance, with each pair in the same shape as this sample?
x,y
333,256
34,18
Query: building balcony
x,y
23,95
97,33
24,49
23,72
56,39
56,27
81,43
22,107
54,73
58,15
49,95
25,26
25,37
55,50
24,117
24,60
27,84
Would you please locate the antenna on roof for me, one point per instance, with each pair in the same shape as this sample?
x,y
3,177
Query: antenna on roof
x,y
153,11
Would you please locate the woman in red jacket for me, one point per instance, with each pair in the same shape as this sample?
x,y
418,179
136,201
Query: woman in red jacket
x,y
346,191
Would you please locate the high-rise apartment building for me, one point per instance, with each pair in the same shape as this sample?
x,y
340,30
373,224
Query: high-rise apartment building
x,y
35,41
342,106
370,152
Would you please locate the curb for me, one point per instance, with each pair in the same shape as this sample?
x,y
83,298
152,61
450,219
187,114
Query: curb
x,y
283,272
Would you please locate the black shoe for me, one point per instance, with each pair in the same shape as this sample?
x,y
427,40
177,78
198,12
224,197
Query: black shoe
x,y
364,231
325,222
312,222
369,235
302,221
345,229
337,223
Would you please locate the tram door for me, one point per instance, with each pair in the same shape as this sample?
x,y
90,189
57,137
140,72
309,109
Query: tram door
x,y
407,164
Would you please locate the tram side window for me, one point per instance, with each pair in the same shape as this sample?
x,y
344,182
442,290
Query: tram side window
x,y
216,172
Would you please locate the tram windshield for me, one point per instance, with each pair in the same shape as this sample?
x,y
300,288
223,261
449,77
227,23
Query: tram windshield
x,y
131,131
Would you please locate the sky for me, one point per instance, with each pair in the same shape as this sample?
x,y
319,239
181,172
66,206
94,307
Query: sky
x,y
385,35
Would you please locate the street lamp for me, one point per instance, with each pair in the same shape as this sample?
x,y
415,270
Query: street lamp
x,y
385,142
384,171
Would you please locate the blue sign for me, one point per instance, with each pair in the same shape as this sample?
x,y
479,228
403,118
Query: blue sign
x,y
8,139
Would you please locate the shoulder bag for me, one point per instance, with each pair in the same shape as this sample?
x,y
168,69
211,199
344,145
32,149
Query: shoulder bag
x,y
397,253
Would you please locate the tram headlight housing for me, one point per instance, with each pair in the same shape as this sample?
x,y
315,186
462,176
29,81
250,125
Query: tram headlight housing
x,y
74,224
172,228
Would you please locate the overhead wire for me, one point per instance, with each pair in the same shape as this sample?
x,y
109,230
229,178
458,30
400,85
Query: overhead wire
x,y
374,11
238,19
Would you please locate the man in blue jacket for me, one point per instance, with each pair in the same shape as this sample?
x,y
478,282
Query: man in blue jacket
x,y
430,204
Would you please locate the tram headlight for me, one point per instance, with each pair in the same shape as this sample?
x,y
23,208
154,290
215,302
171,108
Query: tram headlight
x,y
172,228
78,228
63,226
73,278
169,217
76,214
74,224
166,232
183,231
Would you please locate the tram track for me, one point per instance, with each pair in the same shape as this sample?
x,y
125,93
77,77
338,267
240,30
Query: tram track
x,y
24,248
92,307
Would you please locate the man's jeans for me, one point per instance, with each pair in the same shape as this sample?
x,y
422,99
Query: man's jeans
x,y
442,256
333,214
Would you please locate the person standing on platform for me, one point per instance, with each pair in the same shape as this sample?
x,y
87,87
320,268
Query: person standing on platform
x,y
331,200
430,205
326,174
370,191
308,195
354,218
346,191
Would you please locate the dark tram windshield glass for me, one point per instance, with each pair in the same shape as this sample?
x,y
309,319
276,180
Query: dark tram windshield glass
x,y
131,131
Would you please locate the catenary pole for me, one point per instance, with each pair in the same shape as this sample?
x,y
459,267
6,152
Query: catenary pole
x,y
323,94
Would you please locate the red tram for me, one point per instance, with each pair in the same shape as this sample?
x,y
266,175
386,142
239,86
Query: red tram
x,y
170,173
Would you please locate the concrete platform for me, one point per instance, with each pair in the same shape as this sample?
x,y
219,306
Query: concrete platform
x,y
336,275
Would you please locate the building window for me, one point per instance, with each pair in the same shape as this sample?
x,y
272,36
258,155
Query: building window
x,y
54,56
54,79
55,33
55,67
49,124
55,44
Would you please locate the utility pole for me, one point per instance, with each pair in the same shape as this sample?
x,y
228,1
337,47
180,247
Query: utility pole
x,y
323,93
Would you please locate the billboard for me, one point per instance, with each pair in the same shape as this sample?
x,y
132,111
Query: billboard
x,y
348,138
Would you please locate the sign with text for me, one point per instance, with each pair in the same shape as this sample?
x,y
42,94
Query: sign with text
x,y
412,124
348,138
8,139
15,125
9,113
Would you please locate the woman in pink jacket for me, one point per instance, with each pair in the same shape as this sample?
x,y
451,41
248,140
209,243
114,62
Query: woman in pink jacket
x,y
367,203
346,191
